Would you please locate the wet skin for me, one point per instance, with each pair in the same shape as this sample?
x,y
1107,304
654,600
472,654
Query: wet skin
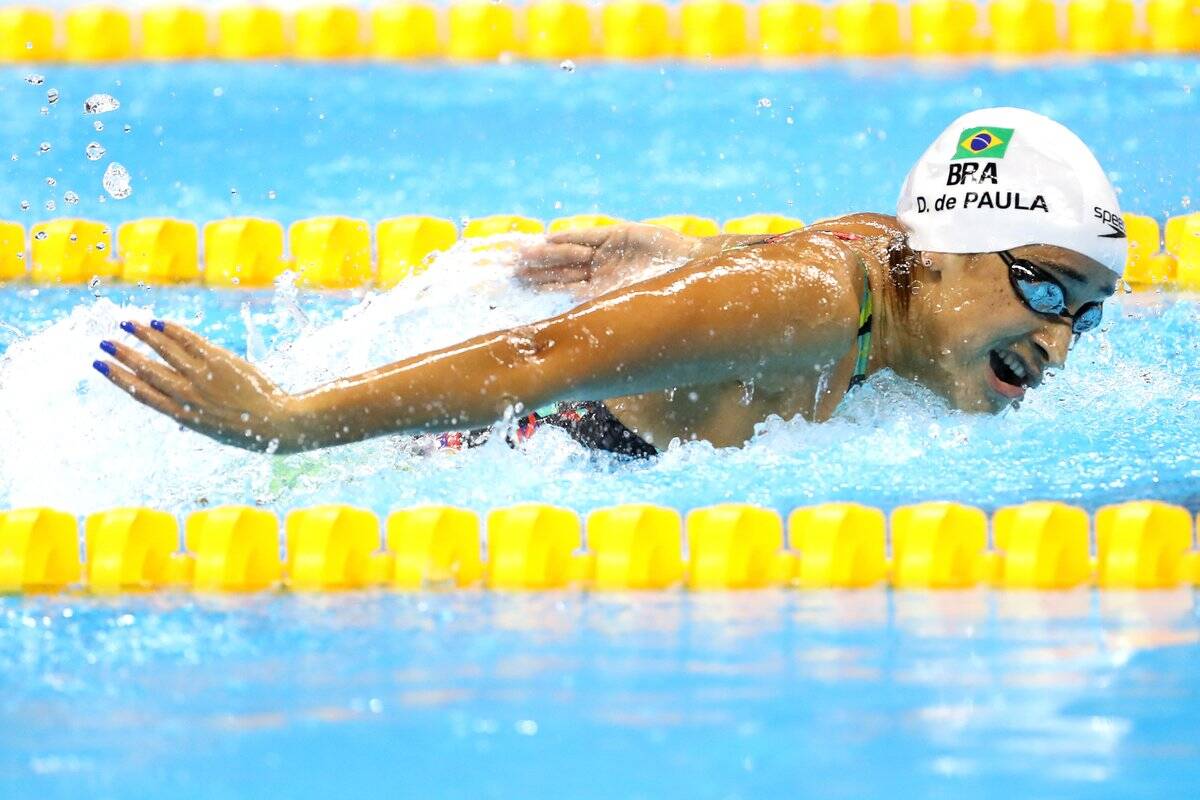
x,y
682,338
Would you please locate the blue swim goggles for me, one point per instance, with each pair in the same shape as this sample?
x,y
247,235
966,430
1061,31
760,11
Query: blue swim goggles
x,y
1043,294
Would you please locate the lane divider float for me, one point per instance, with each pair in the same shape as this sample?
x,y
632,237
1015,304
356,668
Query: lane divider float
x,y
335,252
481,30
934,545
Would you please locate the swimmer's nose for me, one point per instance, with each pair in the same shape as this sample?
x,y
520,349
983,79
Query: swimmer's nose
x,y
1053,342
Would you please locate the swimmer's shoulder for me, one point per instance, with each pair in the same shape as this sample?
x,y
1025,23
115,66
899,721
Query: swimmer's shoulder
x,y
844,243
849,229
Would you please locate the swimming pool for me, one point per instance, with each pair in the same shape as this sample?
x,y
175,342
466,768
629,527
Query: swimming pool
x,y
582,695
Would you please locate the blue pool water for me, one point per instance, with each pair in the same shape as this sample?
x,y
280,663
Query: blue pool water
x,y
752,695
471,695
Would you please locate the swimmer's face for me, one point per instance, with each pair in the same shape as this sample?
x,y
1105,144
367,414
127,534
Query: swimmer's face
x,y
985,347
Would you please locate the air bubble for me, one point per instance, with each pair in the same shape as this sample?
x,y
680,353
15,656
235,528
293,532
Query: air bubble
x,y
33,79
52,96
44,111
100,245
116,181
44,147
70,198
98,125
40,235
51,182
270,194
567,65
128,128
50,205
764,102
100,104
94,151
24,205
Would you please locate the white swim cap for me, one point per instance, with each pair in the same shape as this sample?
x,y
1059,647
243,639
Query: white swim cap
x,y
999,178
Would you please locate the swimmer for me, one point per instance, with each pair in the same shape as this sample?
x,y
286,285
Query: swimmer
x,y
1006,242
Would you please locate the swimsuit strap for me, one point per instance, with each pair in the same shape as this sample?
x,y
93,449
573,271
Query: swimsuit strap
x,y
862,344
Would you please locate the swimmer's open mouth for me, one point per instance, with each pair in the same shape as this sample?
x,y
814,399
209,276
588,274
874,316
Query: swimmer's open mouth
x,y
1010,374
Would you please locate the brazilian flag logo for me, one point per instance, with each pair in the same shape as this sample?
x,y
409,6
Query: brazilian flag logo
x,y
983,143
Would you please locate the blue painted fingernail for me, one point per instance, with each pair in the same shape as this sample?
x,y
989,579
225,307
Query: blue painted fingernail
x,y
157,324
100,367
108,347
127,327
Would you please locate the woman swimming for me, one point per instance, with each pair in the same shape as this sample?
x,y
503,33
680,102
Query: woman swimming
x,y
1007,240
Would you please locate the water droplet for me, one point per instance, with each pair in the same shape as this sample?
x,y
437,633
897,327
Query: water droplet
x,y
567,65
747,393
245,416
24,205
50,205
100,104
70,198
94,151
128,128
50,181
52,96
98,125
44,147
116,181
764,102
40,235
33,79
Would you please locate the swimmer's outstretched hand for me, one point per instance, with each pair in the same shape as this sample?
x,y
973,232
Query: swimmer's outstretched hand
x,y
595,260
201,386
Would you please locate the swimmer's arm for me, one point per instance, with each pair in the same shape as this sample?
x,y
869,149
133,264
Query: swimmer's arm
x,y
777,310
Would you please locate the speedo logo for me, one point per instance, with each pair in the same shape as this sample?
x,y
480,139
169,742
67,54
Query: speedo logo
x,y
1113,221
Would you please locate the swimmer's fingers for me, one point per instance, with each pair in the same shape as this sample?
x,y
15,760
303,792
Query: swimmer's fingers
x,y
192,343
170,350
147,395
586,237
555,263
159,376
553,280
212,423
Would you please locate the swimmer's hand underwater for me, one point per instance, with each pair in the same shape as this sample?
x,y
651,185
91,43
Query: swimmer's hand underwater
x,y
593,261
